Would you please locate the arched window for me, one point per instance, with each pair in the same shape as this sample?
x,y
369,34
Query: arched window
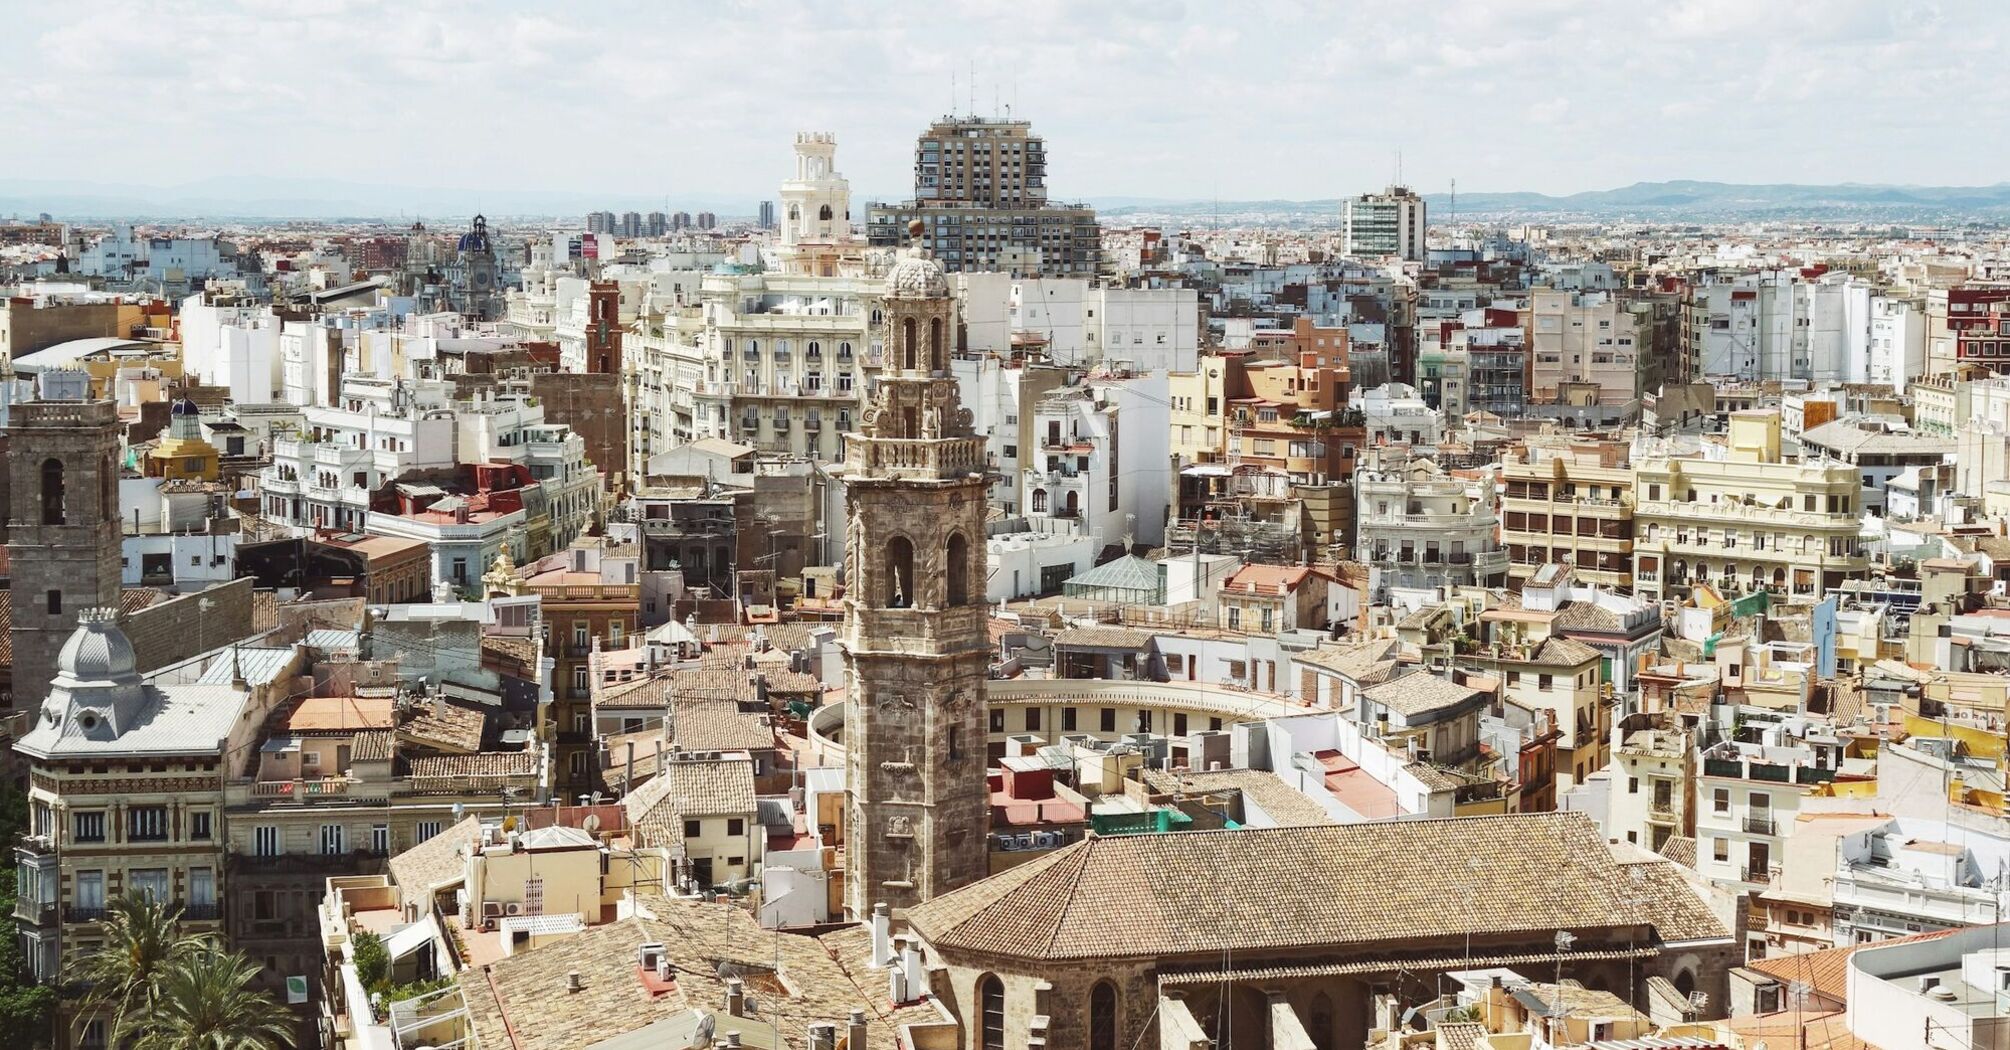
x,y
899,582
907,347
52,491
936,361
991,1013
957,559
824,213
795,213
1074,504
1039,501
1103,1017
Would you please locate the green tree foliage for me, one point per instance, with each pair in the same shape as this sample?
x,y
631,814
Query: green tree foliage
x,y
25,1007
205,1001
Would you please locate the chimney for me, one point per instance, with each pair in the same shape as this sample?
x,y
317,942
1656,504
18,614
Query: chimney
x,y
911,964
882,946
736,997
733,1040
854,1029
573,982
823,1036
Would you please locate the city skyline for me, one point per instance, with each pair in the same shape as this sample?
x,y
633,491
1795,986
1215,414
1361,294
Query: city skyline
x,y
1315,102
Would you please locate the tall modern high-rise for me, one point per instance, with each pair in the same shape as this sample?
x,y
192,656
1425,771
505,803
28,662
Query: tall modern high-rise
x,y
1389,223
980,192
767,215
656,224
707,220
631,224
914,642
62,522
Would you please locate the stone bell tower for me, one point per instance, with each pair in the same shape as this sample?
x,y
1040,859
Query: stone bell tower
x,y
916,652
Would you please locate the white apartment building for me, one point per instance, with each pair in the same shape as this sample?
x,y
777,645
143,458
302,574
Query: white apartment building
x,y
1082,324
1418,527
1390,223
1648,791
323,475
1897,351
232,346
1588,354
1913,875
1394,414
1098,461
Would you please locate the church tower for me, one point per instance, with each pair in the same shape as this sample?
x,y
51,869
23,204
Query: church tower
x,y
62,522
916,652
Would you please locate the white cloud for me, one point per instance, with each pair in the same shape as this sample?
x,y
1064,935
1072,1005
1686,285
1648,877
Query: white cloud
x,y
1144,98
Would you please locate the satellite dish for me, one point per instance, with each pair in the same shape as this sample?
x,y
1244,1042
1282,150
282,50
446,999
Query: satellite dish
x,y
701,1036
591,824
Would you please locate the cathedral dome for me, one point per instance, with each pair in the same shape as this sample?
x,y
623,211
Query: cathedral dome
x,y
184,407
97,651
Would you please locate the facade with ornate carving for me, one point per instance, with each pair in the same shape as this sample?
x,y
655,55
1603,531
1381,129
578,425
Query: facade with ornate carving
x,y
915,647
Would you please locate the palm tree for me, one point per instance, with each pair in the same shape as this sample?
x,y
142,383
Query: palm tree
x,y
142,943
206,1002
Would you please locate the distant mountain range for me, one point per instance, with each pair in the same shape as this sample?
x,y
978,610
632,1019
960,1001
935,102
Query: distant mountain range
x,y
261,199
1680,199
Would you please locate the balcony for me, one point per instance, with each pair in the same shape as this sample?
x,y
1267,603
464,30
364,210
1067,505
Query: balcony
x,y
1758,825
38,913
1661,813
79,913
302,790
209,912
307,863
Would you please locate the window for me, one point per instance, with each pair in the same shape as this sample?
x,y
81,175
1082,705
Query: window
x,y
693,828
1103,1017
380,839
427,829
265,841
90,826
1108,722
998,720
1179,723
1720,849
201,887
1067,719
53,510
54,601
736,826
91,891
1720,800
957,565
991,1007
1175,663
333,840
147,824
1543,682
1633,785
1032,719
151,883
198,825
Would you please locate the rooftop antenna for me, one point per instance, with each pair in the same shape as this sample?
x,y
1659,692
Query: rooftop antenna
x,y
952,92
973,87
1399,168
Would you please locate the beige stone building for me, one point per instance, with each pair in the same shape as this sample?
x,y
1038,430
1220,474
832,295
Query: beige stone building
x,y
1746,522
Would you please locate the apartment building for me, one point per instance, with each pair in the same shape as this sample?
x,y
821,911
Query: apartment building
x,y
1552,674
1746,522
980,192
1912,875
1590,355
1746,803
1880,449
1649,791
1395,414
1419,527
1968,325
126,794
1386,224
590,596
1571,504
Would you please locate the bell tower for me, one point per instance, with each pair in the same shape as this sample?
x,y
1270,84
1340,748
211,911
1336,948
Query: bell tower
x,y
816,209
915,648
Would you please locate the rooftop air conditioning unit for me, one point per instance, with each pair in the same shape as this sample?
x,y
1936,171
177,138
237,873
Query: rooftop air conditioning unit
x,y
512,908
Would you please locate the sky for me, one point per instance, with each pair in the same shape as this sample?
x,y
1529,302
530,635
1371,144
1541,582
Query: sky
x,y
1158,98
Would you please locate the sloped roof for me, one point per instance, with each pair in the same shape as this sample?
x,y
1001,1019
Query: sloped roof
x,y
434,862
1356,885
1419,692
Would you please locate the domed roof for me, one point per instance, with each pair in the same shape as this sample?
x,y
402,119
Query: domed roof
x,y
916,276
97,651
184,407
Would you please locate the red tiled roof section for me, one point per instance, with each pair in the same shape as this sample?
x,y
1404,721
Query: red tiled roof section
x,y
1268,579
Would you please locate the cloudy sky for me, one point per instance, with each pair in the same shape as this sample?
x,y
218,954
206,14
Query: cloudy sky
x,y
1155,98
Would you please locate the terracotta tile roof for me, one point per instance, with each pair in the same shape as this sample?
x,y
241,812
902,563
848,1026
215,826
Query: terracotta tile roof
x,y
372,745
487,763
432,863
1420,692
133,599
1680,849
689,787
711,725
522,650
1364,663
1104,638
445,726
1461,1035
1825,972
1356,885
338,714
1283,804
1562,652
521,1002
1267,579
